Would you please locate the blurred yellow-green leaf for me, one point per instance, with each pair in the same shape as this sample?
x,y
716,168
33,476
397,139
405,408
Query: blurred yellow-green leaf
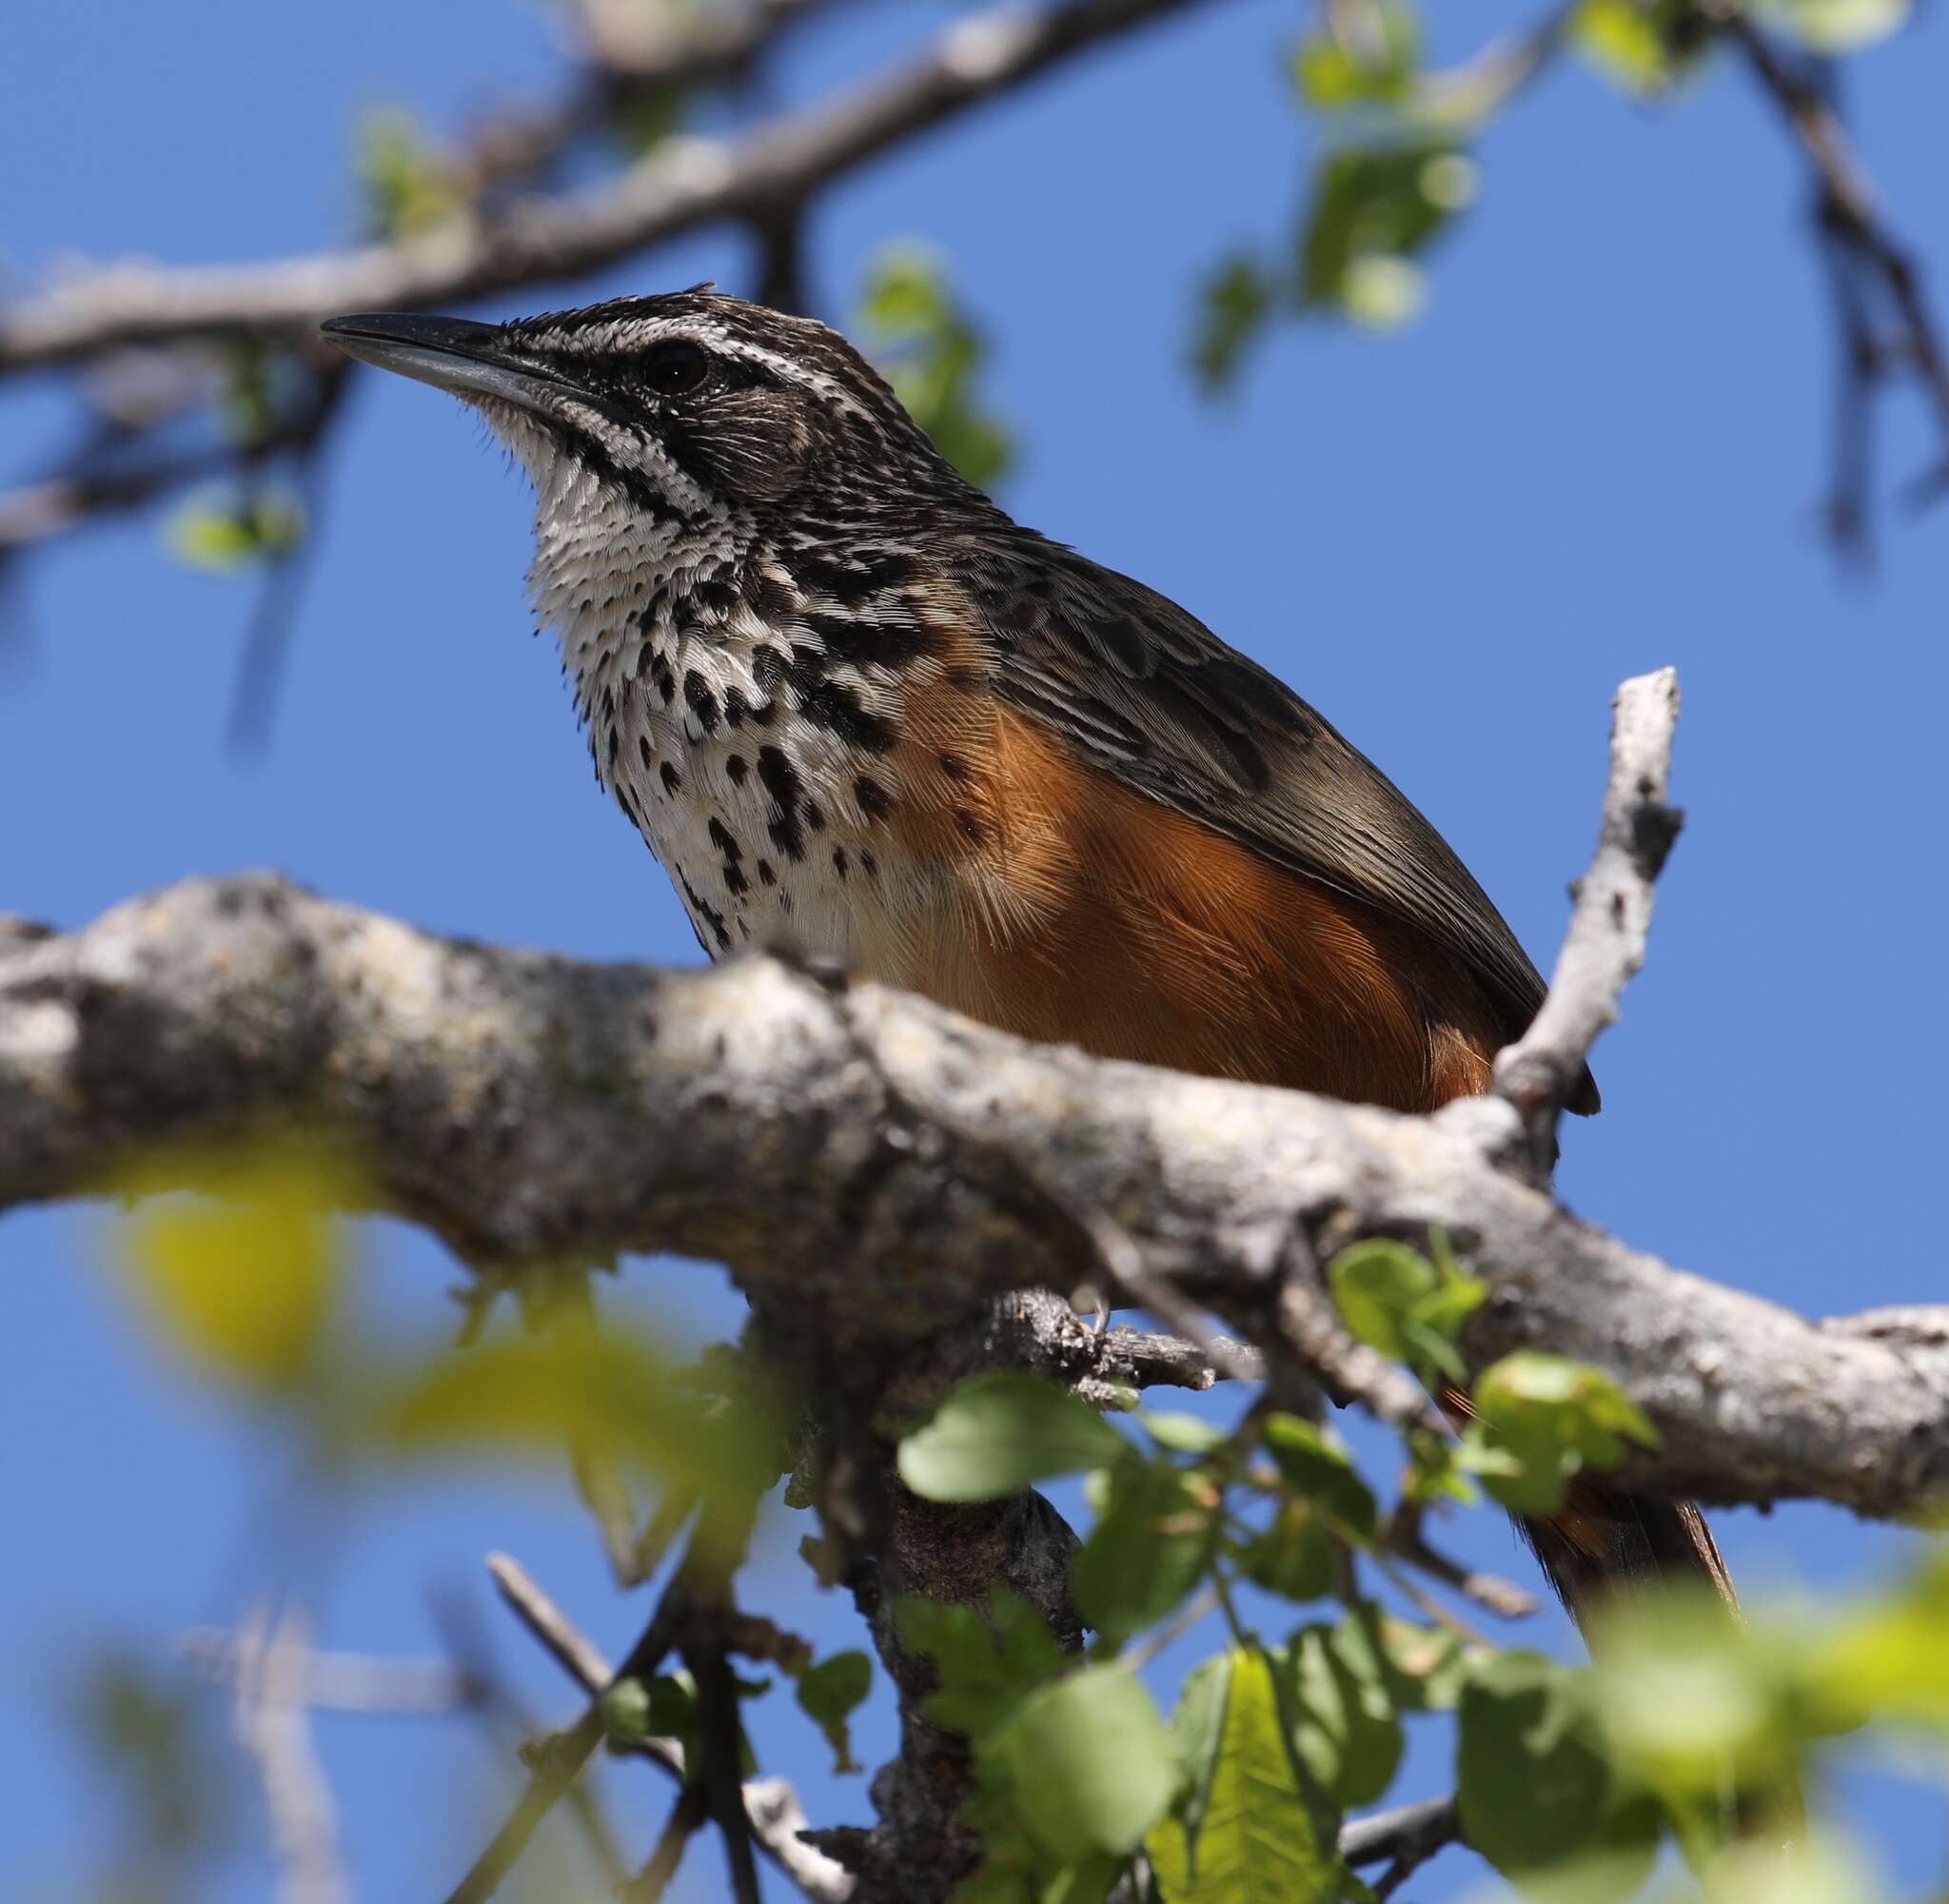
x,y
932,354
1362,55
1261,1837
407,182
245,1284
1645,47
610,1392
223,531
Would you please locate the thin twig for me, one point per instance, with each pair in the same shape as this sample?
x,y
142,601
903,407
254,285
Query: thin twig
x,y
771,1804
342,1682
273,1726
548,1622
556,1762
688,1816
720,1739
682,184
1846,206
1403,1536
1604,944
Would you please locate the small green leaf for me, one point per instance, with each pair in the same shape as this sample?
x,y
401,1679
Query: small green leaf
x,y
1531,1779
1182,1434
1262,1837
1149,1547
1198,1727
1315,1465
244,1285
1235,304
986,1666
1367,58
1645,46
410,184
625,1709
1341,1710
997,1434
1551,1418
1374,1283
1374,207
933,358
1088,1763
830,1692
1296,1556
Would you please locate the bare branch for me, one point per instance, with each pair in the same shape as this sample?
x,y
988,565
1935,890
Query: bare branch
x,y
1604,946
772,1807
1403,1536
1410,1834
682,184
1850,220
342,1682
274,1727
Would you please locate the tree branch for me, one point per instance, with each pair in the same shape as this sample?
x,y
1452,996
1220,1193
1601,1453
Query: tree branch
x,y
845,1152
1604,946
682,183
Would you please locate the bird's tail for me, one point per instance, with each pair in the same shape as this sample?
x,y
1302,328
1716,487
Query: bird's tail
x,y
1604,1546
1601,1548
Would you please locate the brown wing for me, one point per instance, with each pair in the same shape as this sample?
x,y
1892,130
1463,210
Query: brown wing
x,y
1152,696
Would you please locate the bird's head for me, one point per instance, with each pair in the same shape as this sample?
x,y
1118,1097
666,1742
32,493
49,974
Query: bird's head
x,y
692,408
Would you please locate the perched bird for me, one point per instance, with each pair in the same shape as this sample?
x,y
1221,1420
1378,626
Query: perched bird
x,y
858,712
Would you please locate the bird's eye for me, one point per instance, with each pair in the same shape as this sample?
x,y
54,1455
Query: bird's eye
x,y
675,369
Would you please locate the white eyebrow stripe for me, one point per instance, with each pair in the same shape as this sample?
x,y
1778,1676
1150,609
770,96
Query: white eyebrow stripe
x,y
639,333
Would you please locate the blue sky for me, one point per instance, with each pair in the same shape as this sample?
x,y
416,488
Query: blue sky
x,y
1597,451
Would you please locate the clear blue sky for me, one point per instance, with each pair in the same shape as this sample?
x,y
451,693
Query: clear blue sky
x,y
1597,451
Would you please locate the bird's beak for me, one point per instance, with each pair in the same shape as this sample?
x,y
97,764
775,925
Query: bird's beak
x,y
456,354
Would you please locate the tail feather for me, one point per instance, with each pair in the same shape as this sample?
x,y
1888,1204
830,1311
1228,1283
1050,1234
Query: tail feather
x,y
1604,1545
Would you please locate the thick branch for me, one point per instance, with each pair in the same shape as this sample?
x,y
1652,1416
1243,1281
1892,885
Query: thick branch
x,y
682,184
846,1153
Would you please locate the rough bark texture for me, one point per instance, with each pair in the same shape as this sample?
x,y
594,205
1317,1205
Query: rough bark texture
x,y
852,1156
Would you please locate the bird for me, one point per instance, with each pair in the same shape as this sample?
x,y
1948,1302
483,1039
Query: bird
x,y
860,714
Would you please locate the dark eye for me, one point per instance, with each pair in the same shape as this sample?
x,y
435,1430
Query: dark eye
x,y
675,369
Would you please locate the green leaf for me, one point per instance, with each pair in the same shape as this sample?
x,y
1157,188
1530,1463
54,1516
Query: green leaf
x,y
986,1666
1341,1708
1542,1420
1296,1556
1373,207
997,1434
1695,1703
225,531
610,1394
1374,1283
243,1285
1151,1543
1198,1728
830,1692
1368,61
625,1709
1315,1465
1645,47
934,357
1181,1433
1090,1764
1531,1779
1235,304
407,182
1427,1665
1260,1837
1832,26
